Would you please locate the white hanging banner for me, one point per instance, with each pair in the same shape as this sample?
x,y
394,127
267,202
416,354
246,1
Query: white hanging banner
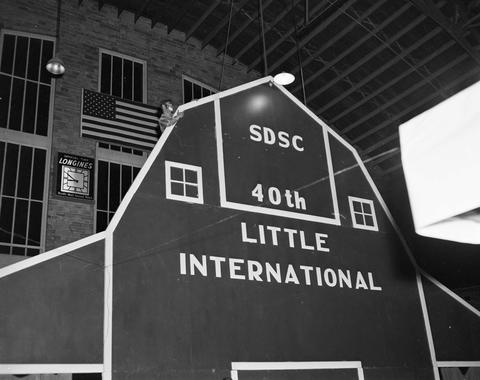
x,y
441,161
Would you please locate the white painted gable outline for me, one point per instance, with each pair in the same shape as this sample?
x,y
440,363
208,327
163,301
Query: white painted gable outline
x,y
108,236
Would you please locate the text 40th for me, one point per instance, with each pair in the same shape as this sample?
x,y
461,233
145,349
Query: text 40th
x,y
276,197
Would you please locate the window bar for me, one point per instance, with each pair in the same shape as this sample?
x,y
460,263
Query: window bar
x,y
108,191
120,183
3,169
15,199
38,88
110,57
25,85
27,230
11,83
133,83
121,79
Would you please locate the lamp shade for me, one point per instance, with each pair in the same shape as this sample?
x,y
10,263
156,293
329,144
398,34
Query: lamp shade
x,y
284,78
441,163
55,66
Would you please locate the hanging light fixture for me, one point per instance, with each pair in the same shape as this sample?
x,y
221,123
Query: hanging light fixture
x,y
55,65
284,78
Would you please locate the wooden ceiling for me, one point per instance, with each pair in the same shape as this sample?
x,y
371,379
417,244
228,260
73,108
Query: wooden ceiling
x,y
367,65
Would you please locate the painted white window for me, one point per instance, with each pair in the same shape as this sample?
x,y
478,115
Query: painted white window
x,y
183,182
363,213
122,76
193,89
26,99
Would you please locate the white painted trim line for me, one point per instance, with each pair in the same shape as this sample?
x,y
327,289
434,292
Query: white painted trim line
x,y
458,364
428,328
451,293
108,309
278,212
219,142
13,369
27,263
333,187
213,97
283,366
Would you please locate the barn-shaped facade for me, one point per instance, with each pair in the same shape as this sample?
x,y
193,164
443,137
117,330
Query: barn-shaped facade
x,y
253,244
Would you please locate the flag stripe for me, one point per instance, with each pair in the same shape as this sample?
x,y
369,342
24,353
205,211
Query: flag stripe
x,y
140,136
111,139
136,120
140,115
119,136
131,126
145,108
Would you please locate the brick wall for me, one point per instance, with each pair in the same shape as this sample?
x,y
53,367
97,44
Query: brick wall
x,y
83,30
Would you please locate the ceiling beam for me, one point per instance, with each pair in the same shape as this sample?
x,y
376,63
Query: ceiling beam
x,y
395,80
287,34
392,169
403,94
210,36
380,143
387,65
337,37
243,26
312,34
202,18
366,58
140,10
454,30
183,11
450,86
377,159
357,44
268,27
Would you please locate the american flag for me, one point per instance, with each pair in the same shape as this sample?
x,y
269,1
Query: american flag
x,y
119,121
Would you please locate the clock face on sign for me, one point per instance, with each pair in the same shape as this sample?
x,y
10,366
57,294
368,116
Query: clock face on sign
x,y
75,180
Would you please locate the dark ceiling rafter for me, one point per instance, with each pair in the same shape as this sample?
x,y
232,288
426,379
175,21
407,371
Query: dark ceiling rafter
x,y
361,41
456,32
288,34
395,80
470,73
312,34
201,19
337,37
406,68
186,4
375,160
268,27
242,27
222,24
395,99
139,11
400,57
367,57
